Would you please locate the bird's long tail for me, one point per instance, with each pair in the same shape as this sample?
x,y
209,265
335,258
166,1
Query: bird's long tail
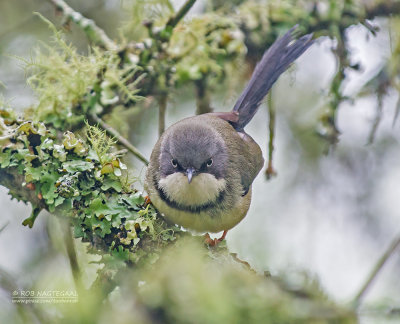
x,y
274,62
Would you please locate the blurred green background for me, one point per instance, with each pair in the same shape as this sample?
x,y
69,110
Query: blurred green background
x,y
331,215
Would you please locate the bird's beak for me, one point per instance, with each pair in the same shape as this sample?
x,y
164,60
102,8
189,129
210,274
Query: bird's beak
x,y
189,173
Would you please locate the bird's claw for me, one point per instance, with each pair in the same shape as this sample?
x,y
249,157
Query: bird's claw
x,y
209,241
147,201
213,242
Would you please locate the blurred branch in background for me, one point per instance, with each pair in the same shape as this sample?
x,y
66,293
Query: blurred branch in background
x,y
71,252
174,20
203,105
94,33
162,109
394,245
330,132
270,171
26,312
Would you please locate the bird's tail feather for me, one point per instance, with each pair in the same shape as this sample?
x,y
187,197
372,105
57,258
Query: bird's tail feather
x,y
274,62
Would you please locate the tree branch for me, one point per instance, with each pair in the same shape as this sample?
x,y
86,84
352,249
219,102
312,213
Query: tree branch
x,y
173,21
71,252
377,119
375,271
14,182
382,8
202,97
92,31
162,108
123,141
270,171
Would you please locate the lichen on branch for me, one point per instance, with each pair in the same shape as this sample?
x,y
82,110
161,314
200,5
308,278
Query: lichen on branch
x,y
80,179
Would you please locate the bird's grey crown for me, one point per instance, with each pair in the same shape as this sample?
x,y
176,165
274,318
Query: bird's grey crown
x,y
191,145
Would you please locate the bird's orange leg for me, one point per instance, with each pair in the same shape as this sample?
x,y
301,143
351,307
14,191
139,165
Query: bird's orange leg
x,y
213,242
147,201
223,236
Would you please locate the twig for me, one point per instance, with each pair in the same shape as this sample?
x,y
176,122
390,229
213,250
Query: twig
x,y
396,113
7,281
245,263
372,29
270,171
92,31
341,54
375,271
123,141
4,226
71,251
377,119
173,21
162,107
202,97
27,313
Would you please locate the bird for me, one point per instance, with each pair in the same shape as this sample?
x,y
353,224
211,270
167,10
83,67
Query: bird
x,y
202,168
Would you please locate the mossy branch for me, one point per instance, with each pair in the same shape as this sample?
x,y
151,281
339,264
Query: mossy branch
x,y
123,141
11,179
214,45
93,32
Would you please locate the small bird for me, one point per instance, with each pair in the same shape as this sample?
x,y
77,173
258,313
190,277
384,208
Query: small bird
x,y
201,169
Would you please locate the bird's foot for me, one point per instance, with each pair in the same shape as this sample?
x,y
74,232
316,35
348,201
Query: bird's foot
x,y
147,201
213,242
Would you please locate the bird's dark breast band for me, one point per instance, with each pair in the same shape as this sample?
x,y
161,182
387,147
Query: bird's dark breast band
x,y
190,209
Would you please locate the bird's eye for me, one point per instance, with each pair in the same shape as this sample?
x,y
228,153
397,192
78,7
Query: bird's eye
x,y
174,163
209,162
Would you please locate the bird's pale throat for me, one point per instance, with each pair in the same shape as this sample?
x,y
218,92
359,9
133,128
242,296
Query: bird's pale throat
x,y
204,188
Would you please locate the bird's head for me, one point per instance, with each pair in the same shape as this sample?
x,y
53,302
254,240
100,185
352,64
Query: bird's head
x,y
192,150
193,162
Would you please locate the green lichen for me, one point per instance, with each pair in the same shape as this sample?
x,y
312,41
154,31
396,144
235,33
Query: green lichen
x,y
214,42
83,180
